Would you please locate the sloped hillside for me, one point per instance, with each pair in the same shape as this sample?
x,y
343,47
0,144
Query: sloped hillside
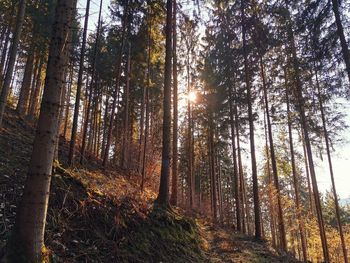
x,y
101,216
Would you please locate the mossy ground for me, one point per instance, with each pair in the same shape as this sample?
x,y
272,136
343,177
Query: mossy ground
x,y
97,215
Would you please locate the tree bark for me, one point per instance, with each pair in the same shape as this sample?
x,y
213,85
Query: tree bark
x,y
163,195
31,216
174,180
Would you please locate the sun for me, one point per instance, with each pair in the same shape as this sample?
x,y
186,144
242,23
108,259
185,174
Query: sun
x,y
192,96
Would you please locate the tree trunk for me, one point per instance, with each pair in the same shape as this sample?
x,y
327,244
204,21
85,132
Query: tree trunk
x,y
22,105
175,176
36,92
304,123
31,216
163,195
295,179
80,83
12,58
125,147
90,88
236,182
282,231
341,35
326,137
251,130
117,86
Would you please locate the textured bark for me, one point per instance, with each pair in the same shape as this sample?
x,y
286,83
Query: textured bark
x,y
251,129
12,58
79,84
174,179
31,216
163,195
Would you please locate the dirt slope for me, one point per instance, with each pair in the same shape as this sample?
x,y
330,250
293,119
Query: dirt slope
x,y
101,216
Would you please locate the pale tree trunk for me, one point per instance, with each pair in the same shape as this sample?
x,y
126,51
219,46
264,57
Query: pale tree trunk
x,y
31,216
174,179
12,58
79,85
163,195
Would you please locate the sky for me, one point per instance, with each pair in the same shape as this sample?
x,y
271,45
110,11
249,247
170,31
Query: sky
x,y
340,158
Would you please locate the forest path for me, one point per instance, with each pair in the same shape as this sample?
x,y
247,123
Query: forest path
x,y
224,245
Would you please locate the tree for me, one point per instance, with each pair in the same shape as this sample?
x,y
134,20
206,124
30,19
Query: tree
x,y
79,84
163,195
12,58
31,216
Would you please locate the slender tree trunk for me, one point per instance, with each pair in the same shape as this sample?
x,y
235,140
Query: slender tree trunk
x,y
5,46
117,86
125,147
36,92
282,231
270,185
236,182
251,129
90,88
12,58
175,178
326,137
67,99
163,196
295,179
341,35
80,83
31,216
22,105
243,199
304,123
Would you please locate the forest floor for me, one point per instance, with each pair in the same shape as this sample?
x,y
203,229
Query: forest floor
x,y
97,215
